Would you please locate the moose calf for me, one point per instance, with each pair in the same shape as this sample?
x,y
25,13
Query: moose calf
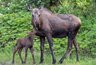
x,y
24,43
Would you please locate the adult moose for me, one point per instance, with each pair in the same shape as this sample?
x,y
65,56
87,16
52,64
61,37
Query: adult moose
x,y
47,24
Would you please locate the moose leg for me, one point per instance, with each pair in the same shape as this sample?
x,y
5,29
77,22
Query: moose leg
x,y
31,50
26,48
42,42
69,48
76,48
49,38
14,52
71,55
19,52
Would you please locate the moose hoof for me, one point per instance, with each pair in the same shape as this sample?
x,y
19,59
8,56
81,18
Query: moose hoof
x,y
77,59
23,62
34,63
12,62
41,62
54,62
60,61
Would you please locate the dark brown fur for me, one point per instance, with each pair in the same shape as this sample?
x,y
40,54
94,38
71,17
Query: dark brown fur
x,y
47,24
24,43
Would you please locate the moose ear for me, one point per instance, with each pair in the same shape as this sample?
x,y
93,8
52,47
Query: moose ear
x,y
41,7
29,7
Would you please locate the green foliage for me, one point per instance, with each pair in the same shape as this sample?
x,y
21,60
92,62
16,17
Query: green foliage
x,y
13,26
11,6
87,36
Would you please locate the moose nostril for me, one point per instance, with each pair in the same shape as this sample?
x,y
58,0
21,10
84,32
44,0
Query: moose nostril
x,y
32,15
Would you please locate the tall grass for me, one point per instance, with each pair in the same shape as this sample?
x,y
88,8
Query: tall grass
x,y
6,58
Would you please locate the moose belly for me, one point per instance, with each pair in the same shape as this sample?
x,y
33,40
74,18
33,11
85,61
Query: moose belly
x,y
59,34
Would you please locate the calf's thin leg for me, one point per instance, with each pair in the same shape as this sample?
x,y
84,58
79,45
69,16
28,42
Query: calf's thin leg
x,y
14,52
49,38
26,49
69,48
19,52
42,42
31,50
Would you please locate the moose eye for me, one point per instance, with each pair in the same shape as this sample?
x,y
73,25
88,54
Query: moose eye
x,y
32,15
38,15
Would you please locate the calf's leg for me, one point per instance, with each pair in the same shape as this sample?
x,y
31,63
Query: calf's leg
x,y
14,52
26,49
31,50
19,52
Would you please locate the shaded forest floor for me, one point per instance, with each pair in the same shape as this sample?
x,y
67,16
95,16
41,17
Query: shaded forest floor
x,y
6,59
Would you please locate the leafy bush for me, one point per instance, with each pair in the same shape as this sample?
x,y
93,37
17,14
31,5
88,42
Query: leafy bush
x,y
14,26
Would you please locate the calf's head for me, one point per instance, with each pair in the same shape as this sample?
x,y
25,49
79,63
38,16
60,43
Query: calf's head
x,y
30,34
